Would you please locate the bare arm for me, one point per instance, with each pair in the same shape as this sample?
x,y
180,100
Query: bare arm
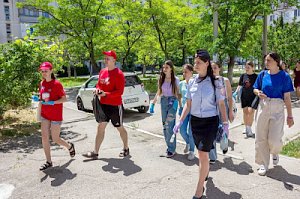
x,y
229,96
288,104
186,109
61,100
223,111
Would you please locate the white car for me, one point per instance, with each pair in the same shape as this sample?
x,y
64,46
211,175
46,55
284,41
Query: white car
x,y
134,95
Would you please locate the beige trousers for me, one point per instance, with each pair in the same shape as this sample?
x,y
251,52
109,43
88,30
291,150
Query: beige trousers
x,y
269,130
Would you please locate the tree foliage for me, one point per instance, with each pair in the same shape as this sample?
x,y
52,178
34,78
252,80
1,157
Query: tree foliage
x,y
19,76
284,38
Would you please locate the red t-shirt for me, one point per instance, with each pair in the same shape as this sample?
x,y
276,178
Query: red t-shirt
x,y
52,91
112,82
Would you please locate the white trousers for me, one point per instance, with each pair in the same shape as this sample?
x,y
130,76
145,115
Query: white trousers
x,y
269,130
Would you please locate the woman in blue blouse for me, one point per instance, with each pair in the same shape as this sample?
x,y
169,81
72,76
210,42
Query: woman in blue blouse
x,y
273,87
205,94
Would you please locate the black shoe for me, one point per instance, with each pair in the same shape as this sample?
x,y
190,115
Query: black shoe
x,y
212,161
124,153
225,151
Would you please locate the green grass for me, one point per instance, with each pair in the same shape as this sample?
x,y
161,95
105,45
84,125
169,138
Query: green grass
x,y
292,149
71,81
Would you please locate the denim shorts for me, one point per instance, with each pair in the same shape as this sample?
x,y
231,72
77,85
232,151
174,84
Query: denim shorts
x,y
52,122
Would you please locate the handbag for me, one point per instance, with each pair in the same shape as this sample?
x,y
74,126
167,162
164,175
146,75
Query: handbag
x,y
255,102
97,110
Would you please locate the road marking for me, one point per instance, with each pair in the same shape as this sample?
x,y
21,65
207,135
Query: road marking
x,y
162,137
6,190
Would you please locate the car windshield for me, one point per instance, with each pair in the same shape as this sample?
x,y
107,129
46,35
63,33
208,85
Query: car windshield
x,y
132,80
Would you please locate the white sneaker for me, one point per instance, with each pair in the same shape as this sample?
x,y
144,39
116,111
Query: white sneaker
x,y
262,170
191,156
275,159
186,149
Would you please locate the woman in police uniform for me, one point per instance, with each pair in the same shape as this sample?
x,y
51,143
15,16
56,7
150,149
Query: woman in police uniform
x,y
205,97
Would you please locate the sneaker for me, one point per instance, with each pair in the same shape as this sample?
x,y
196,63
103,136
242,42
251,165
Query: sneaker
x,y
186,149
191,156
91,155
275,159
124,153
249,133
170,154
212,161
262,170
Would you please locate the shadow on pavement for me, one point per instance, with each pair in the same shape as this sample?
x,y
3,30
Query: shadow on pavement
x,y
124,165
134,115
90,117
60,174
214,192
26,144
280,174
183,158
242,168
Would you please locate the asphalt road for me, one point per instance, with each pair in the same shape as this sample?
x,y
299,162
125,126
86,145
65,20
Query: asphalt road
x,y
146,173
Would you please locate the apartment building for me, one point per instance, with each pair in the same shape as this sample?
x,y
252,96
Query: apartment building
x,y
15,22
289,13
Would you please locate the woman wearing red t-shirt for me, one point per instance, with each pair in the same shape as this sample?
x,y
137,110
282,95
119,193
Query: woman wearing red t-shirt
x,y
52,96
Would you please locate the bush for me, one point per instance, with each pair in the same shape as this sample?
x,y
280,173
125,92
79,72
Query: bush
x,y
19,76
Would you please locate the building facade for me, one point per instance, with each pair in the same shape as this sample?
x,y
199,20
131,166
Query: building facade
x,y
15,22
289,14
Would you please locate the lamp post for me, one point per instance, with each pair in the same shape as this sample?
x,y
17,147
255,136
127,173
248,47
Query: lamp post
x,y
215,28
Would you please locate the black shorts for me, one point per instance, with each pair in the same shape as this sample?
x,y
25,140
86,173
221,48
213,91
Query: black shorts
x,y
113,113
204,132
246,101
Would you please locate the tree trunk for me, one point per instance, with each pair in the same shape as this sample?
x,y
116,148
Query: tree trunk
x,y
94,68
230,68
75,72
69,70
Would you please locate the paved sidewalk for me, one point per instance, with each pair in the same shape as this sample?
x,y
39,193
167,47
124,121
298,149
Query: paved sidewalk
x,y
145,174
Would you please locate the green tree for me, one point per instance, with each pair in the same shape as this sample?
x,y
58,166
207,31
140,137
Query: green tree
x,y
235,19
19,76
81,20
284,38
128,24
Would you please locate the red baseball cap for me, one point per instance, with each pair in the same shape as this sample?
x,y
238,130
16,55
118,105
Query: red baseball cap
x,y
46,66
111,53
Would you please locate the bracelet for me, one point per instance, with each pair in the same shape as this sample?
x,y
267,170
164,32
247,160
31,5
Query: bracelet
x,y
290,117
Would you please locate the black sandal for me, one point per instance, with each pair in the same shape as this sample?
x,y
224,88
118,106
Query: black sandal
x,y
72,150
46,166
124,152
91,155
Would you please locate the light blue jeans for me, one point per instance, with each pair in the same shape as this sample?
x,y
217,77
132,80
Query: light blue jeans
x,y
168,117
186,133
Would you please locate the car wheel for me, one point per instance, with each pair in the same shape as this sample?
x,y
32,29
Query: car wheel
x,y
143,109
80,105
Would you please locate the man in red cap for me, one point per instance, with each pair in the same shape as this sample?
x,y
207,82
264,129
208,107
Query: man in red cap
x,y
110,89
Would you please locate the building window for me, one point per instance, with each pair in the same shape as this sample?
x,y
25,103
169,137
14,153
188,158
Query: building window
x,y
108,17
45,14
272,17
8,29
5,1
6,11
297,13
30,12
